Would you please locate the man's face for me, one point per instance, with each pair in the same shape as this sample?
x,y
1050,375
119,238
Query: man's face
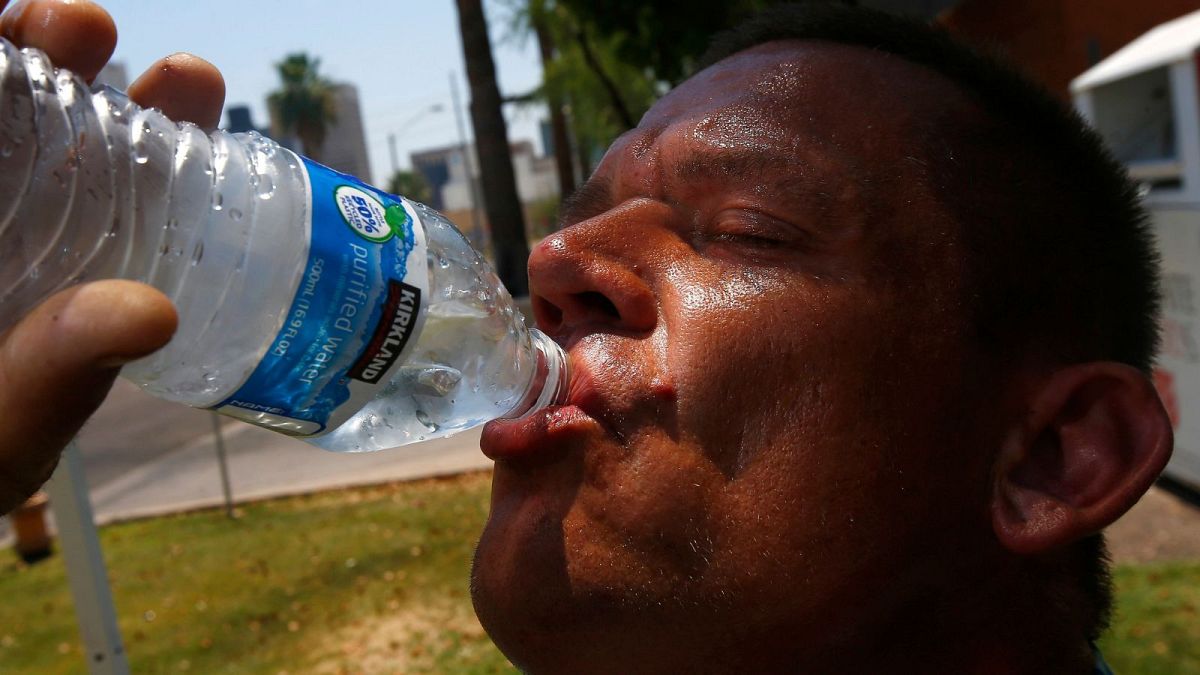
x,y
759,291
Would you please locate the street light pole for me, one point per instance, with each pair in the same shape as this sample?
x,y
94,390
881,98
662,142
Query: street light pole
x,y
435,108
476,202
395,160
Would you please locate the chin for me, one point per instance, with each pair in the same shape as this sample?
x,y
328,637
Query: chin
x,y
519,574
519,585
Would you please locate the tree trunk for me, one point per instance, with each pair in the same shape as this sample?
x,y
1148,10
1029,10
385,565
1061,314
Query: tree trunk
x,y
558,121
501,203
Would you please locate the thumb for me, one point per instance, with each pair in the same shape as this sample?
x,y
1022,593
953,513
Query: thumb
x,y
57,365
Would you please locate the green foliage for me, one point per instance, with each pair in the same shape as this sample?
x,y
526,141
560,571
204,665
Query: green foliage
x,y
542,218
410,184
611,61
1156,626
663,37
304,104
368,580
603,94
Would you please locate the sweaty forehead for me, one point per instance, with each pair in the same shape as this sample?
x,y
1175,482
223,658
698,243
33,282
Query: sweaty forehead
x,y
794,96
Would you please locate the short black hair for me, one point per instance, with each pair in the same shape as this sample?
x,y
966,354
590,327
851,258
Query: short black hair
x,y
1062,264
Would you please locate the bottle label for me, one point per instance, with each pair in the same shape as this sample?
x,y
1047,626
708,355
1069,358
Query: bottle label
x,y
356,313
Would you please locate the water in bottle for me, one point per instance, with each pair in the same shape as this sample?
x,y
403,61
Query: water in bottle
x,y
309,302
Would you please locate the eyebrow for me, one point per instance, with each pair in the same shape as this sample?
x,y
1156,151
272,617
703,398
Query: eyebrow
x,y
590,200
738,163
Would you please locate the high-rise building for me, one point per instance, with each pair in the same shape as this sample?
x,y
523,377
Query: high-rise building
x,y
434,166
453,176
345,147
239,119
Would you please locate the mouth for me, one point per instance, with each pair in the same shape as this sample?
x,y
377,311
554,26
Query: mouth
x,y
546,434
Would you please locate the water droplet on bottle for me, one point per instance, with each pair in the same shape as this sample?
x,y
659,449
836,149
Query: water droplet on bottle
x,y
235,214
218,201
6,151
163,249
266,187
423,418
198,253
172,223
438,380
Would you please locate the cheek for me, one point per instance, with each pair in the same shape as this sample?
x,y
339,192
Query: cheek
x,y
643,515
756,357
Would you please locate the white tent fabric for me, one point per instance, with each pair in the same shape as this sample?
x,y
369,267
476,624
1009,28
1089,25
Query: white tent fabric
x,y
1167,43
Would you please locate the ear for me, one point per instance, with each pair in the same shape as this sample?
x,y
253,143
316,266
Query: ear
x,y
1093,440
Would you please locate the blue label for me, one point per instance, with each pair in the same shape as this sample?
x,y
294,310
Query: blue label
x,y
357,307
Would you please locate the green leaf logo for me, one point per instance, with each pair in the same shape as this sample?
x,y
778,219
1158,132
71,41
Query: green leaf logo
x,y
396,218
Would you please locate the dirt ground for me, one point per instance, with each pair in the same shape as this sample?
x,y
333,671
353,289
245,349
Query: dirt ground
x,y
1162,526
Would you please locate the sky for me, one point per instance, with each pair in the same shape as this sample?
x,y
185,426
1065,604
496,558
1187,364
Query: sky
x,y
399,53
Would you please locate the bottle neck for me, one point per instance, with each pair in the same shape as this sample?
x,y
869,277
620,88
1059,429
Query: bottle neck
x,y
551,377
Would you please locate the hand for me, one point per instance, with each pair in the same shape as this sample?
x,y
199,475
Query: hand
x,y
58,363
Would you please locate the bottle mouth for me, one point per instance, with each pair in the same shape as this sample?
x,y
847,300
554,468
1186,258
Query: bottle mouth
x,y
551,378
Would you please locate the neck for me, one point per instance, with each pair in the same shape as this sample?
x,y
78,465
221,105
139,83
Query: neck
x,y
1005,623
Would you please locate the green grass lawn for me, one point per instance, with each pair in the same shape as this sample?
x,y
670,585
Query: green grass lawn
x,y
369,580
1156,626
375,580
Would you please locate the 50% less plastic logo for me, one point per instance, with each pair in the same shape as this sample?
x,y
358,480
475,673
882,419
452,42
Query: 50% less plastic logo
x,y
367,216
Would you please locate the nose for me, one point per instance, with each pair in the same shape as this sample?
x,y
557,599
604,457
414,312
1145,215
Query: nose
x,y
581,278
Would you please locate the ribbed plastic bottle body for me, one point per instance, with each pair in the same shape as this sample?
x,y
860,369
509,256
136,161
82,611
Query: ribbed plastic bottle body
x,y
474,359
93,187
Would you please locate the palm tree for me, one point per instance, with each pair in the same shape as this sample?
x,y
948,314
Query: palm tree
x,y
304,105
410,184
500,200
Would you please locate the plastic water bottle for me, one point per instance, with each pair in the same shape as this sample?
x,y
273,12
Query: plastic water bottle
x,y
309,302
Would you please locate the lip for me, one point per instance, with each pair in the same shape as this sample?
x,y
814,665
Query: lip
x,y
540,436
544,434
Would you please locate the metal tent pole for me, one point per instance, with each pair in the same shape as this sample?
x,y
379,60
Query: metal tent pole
x,y
222,464
85,566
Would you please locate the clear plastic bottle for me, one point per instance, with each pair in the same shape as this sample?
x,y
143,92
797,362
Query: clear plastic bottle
x,y
309,302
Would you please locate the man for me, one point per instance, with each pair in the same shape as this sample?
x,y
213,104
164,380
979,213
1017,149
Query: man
x,y
860,326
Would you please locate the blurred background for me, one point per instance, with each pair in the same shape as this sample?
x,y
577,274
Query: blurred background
x,y
232,549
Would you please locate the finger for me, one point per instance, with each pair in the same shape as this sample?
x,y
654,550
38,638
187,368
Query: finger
x,y
185,87
76,34
57,365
